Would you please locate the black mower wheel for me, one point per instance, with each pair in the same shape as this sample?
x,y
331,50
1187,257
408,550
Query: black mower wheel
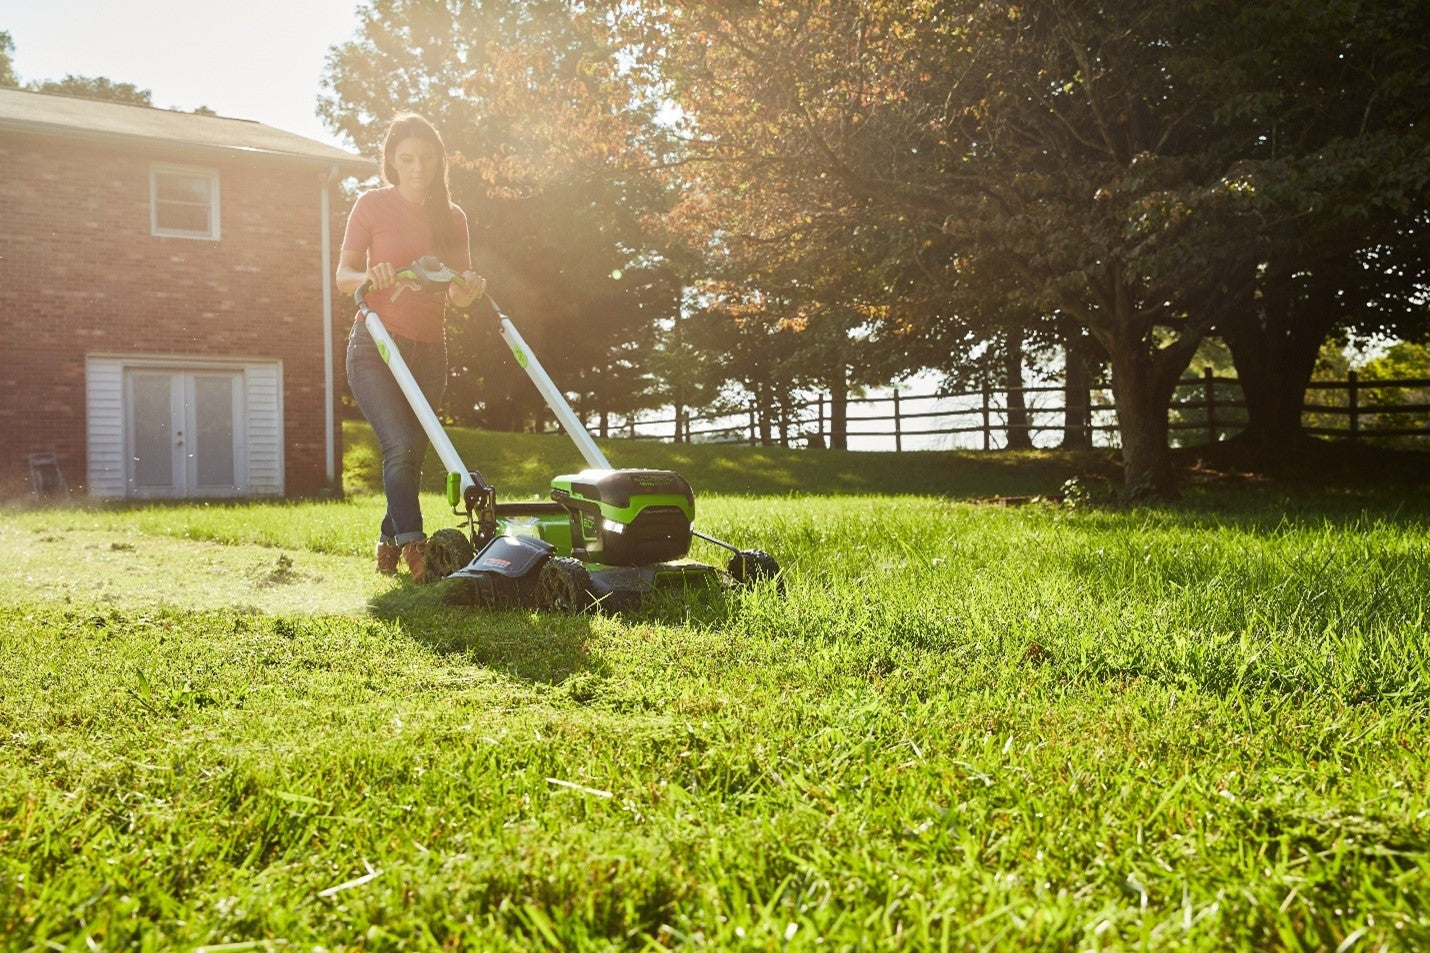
x,y
750,566
563,585
447,551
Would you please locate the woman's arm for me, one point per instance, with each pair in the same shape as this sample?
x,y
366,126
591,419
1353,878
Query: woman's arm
x,y
352,272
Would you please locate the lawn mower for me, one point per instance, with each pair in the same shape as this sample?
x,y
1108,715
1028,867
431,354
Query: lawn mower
x,y
606,539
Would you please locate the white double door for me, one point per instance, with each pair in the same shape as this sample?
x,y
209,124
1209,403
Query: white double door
x,y
186,432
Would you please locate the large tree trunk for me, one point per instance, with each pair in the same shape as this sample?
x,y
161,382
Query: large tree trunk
x,y
1273,383
1143,378
839,410
1142,402
1077,414
1274,347
1020,434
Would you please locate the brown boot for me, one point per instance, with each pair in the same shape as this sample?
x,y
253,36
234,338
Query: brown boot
x,y
387,556
415,553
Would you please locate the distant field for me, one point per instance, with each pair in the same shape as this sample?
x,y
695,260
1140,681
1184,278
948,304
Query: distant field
x,y
1201,725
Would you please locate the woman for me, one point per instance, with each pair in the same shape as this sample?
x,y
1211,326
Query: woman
x,y
389,228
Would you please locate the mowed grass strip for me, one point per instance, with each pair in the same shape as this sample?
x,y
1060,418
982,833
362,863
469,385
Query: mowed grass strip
x,y
1202,725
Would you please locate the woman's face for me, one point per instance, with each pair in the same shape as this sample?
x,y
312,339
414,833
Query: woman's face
x,y
418,163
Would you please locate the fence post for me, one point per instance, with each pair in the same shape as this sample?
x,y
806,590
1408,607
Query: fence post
x,y
987,418
898,425
1209,389
1353,400
821,422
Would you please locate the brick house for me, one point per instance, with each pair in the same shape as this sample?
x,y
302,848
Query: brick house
x,y
166,306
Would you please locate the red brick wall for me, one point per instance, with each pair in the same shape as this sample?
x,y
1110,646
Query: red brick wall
x,y
80,272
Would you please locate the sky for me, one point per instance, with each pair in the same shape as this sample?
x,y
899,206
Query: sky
x,y
246,59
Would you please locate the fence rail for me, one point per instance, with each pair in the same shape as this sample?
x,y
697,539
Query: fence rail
x,y
1208,404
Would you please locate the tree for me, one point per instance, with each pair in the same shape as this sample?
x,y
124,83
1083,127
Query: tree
x,y
8,76
95,87
840,271
83,87
555,165
1326,104
1020,142
809,297
1093,161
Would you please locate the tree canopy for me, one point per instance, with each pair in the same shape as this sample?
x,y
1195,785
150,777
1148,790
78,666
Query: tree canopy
x,y
7,60
1145,169
833,192
554,157
95,87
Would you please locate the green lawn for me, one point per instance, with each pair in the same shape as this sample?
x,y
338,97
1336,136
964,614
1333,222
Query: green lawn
x,y
964,725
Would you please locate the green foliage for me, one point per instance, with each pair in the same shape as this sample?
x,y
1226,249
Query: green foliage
x,y
1150,172
1403,361
867,191
95,87
1199,726
8,76
554,157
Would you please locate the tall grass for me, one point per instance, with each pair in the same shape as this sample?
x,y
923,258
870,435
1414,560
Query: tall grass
x,y
1199,726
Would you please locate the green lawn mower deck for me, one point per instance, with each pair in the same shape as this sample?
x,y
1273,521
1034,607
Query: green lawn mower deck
x,y
607,539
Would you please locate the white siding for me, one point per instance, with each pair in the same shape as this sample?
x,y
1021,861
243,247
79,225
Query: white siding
x,y
265,429
104,413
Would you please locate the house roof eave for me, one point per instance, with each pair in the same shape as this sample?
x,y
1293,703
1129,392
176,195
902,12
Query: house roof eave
x,y
346,164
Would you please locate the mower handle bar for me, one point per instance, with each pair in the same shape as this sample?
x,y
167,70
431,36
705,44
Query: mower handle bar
x,y
426,274
429,274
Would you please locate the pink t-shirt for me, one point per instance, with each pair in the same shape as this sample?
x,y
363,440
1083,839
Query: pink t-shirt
x,y
387,227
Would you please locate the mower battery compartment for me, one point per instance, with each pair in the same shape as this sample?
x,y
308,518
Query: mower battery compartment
x,y
627,517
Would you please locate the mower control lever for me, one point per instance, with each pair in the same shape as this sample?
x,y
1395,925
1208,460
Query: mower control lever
x,y
426,274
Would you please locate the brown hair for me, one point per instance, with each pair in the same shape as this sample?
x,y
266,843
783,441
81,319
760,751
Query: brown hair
x,y
439,201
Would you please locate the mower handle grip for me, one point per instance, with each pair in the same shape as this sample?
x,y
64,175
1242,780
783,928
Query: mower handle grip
x,y
427,273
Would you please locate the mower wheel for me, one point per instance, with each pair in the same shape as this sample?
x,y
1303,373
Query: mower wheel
x,y
447,551
563,585
750,566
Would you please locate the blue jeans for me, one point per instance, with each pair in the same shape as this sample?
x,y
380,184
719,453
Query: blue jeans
x,y
396,427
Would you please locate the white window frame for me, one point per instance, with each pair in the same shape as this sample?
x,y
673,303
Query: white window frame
x,y
194,172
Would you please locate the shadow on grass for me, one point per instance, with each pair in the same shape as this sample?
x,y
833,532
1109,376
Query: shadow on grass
x,y
1270,510
534,647
539,647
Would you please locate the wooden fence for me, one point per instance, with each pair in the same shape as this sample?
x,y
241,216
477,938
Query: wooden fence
x,y
1204,409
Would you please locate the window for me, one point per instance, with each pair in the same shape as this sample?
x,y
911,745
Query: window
x,y
185,202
